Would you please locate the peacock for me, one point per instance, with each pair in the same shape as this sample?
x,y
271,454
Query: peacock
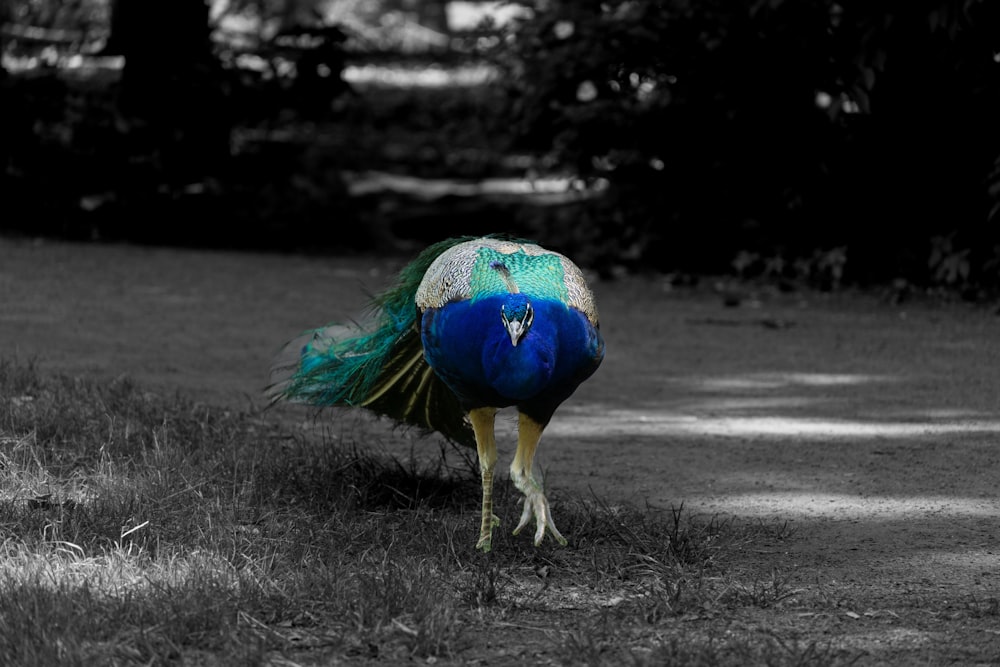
x,y
470,326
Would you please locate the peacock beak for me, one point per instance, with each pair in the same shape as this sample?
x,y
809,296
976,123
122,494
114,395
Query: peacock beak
x,y
517,327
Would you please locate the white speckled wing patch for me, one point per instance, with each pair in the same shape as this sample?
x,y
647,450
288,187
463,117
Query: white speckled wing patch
x,y
465,271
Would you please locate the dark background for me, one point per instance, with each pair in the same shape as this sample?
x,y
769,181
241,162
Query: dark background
x,y
805,142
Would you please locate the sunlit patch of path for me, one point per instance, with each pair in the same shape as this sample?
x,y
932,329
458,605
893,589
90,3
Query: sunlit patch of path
x,y
864,467
771,405
805,504
613,422
431,76
920,538
759,381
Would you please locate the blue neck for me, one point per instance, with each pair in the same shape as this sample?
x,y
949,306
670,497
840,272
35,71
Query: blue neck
x,y
522,371
468,346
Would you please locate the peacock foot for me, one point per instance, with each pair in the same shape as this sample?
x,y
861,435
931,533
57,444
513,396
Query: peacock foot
x,y
536,505
485,542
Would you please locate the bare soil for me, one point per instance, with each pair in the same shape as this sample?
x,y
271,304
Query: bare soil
x,y
872,428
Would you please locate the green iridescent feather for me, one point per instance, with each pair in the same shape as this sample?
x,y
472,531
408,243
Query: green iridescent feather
x,y
538,275
382,369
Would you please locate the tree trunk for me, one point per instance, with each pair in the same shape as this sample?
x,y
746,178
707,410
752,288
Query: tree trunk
x,y
171,87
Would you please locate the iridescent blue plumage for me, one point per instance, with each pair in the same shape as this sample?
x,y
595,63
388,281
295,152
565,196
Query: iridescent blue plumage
x,y
471,326
481,365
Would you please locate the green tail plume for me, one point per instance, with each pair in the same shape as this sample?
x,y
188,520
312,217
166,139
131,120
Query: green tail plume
x,y
383,369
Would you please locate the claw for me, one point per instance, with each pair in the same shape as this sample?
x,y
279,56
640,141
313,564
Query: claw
x,y
485,542
537,506
529,430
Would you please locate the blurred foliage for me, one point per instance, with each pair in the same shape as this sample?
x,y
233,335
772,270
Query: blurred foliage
x,y
76,22
262,137
845,138
809,141
148,151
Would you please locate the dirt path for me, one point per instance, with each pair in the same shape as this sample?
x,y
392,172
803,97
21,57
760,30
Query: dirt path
x,y
873,429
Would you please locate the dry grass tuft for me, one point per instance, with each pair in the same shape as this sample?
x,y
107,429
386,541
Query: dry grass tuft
x,y
146,529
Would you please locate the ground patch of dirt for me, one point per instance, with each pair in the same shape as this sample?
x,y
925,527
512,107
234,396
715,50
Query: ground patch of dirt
x,y
871,428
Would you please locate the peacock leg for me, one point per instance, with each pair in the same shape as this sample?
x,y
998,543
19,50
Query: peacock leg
x,y
529,432
482,425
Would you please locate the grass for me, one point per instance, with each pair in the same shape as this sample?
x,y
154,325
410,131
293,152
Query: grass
x,y
138,528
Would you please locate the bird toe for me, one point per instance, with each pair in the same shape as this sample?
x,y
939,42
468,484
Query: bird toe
x,y
537,506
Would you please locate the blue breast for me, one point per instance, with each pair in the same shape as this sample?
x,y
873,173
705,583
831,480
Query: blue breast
x,y
467,345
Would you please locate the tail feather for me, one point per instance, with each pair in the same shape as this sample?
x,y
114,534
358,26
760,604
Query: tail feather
x,y
409,391
382,369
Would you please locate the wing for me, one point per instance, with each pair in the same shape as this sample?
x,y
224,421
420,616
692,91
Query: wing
x,y
465,271
408,390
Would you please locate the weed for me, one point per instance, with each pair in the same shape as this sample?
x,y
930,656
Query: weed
x,y
977,608
762,592
140,528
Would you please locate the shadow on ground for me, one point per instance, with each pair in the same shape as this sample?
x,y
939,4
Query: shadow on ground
x,y
870,427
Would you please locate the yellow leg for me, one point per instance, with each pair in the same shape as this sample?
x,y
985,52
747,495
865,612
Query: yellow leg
x,y
529,432
482,425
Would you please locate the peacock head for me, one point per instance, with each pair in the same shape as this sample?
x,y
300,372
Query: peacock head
x,y
516,312
517,315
